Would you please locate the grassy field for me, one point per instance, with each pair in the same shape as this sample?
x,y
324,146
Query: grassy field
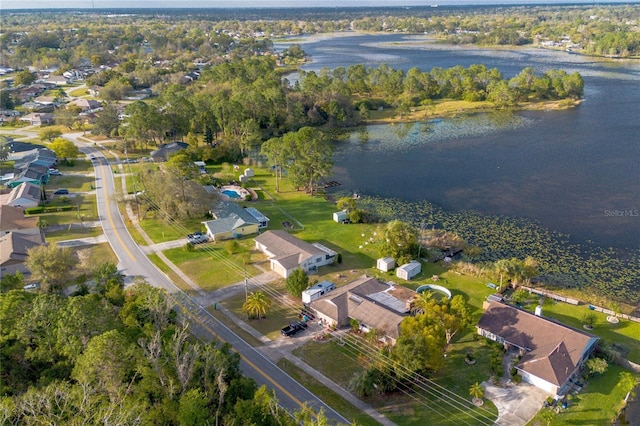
x,y
599,403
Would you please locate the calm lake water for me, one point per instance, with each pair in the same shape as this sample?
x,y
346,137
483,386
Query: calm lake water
x,y
575,171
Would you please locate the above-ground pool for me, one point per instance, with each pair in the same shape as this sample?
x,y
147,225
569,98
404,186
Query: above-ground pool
x,y
434,287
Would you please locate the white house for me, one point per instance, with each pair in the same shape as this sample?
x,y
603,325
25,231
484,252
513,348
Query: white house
x,y
409,270
287,253
551,353
386,264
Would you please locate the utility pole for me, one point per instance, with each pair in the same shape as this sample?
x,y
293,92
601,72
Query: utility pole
x,y
246,286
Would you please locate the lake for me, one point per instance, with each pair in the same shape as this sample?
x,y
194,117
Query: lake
x,y
575,171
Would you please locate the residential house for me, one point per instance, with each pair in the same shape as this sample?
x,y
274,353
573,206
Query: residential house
x,y
409,270
38,118
33,173
25,195
86,104
375,305
37,156
287,253
552,353
165,151
14,247
58,80
12,219
231,221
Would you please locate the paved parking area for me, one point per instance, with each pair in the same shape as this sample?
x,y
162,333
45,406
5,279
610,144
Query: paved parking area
x,y
516,404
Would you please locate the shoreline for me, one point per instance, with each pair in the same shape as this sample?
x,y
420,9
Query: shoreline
x,y
453,108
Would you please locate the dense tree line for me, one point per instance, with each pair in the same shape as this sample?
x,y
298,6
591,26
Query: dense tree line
x,y
63,39
119,358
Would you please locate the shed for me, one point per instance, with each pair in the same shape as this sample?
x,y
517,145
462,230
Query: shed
x,y
340,217
386,264
202,167
249,173
409,270
243,179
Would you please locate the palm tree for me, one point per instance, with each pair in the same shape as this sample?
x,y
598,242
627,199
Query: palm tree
x,y
476,391
256,305
422,302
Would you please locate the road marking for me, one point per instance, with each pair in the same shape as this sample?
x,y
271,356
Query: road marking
x,y
113,225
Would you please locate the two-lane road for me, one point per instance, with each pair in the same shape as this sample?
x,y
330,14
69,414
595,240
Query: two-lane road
x,y
133,262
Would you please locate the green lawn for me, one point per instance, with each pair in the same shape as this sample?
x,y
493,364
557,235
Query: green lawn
x,y
84,209
334,400
418,407
598,404
72,234
210,266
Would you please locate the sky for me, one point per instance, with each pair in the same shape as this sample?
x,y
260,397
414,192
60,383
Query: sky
x,y
105,4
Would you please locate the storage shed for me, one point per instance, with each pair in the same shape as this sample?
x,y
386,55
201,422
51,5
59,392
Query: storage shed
x,y
340,216
249,173
409,270
386,264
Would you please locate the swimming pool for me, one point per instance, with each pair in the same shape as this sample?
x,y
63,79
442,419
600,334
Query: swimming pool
x,y
231,193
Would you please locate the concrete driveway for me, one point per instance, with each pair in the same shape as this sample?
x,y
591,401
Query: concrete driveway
x,y
516,404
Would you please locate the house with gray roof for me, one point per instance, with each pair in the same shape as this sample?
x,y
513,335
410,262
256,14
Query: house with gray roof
x,y
375,305
287,253
552,354
25,195
14,247
232,221
165,151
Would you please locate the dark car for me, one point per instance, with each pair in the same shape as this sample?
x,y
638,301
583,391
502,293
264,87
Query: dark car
x,y
293,328
61,191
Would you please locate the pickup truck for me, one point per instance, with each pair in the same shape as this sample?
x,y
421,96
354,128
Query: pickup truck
x,y
293,328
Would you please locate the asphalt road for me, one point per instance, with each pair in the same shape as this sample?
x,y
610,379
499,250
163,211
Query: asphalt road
x,y
133,262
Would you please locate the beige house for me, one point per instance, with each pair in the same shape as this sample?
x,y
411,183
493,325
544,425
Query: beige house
x,y
552,353
374,304
287,253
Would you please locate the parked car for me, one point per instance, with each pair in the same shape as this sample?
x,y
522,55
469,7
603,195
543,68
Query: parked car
x,y
32,286
129,160
61,191
293,328
197,238
55,172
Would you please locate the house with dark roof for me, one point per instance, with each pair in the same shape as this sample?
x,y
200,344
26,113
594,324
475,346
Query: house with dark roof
x,y
33,174
12,219
165,151
232,221
25,195
14,247
552,354
375,305
287,253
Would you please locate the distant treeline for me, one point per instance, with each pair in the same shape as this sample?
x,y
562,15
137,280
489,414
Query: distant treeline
x,y
244,102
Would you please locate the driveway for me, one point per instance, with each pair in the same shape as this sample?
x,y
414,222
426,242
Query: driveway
x,y
516,404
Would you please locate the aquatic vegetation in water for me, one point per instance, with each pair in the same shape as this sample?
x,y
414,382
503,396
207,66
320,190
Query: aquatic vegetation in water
x,y
404,136
563,262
